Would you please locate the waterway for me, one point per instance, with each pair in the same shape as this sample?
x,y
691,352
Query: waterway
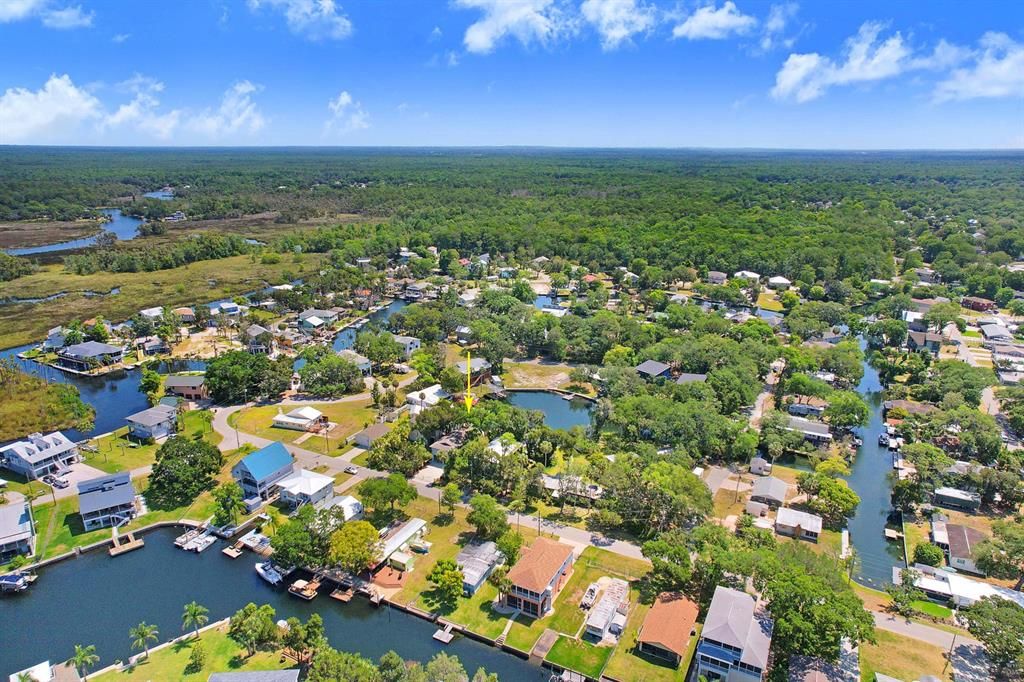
x,y
869,478
124,226
346,338
559,413
94,599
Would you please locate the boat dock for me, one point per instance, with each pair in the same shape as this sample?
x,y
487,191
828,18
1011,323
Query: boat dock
x,y
16,582
125,543
893,535
343,594
234,551
445,634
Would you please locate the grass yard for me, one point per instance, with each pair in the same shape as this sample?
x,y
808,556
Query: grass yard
x,y
119,453
539,375
580,656
222,655
197,282
769,301
930,608
351,417
629,664
727,503
901,657
916,531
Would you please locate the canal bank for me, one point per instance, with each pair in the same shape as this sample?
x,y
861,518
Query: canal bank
x,y
94,599
124,227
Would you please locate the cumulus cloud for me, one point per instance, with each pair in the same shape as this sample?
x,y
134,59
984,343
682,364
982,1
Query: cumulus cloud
x,y
618,20
237,113
43,115
347,115
68,17
773,31
997,70
142,112
16,10
866,58
527,21
311,19
711,23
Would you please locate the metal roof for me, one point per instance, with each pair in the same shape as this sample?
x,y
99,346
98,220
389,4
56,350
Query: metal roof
x,y
267,460
105,492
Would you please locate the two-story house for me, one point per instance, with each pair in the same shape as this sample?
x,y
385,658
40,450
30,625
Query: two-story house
x,y
735,640
409,344
39,455
538,576
17,534
106,501
154,423
259,473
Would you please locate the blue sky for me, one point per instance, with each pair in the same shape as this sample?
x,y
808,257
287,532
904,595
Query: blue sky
x,y
606,73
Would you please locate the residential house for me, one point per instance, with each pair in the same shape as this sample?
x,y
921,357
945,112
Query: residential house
x,y
17,534
845,669
426,397
326,317
151,345
779,283
770,490
185,314
927,341
89,355
153,314
306,487
572,487
440,448
366,438
608,614
797,524
687,378
187,386
479,370
351,508
39,455
364,262
962,541
815,432
106,501
996,333
981,305
715,277
305,418
361,362
759,466
668,627
652,369
259,472
54,339
954,498
477,561
751,277
467,299
734,643
154,423
911,407
259,340
915,320
959,590
409,344
927,276
463,334
541,572
364,299
396,542
807,406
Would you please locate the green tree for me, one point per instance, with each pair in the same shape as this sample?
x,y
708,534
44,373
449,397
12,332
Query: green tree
x,y
998,624
330,376
487,516
448,579
669,555
905,593
85,657
395,451
152,385
450,497
253,627
391,492
196,659
1002,555
831,498
184,468
194,616
846,409
509,544
928,554
330,665
355,546
142,634
229,503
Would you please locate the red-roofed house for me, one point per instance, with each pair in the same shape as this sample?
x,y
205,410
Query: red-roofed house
x,y
667,627
537,577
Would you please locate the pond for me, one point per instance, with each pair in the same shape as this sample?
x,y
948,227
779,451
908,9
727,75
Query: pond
x,y
95,599
346,338
124,226
559,413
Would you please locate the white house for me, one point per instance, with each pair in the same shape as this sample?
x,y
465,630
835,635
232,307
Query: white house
x,y
410,344
748,275
153,313
351,508
736,638
17,535
779,283
608,614
361,362
106,501
304,418
39,455
306,487
154,423
798,524
427,397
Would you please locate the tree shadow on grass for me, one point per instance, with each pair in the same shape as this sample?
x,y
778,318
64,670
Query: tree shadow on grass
x,y
443,519
437,603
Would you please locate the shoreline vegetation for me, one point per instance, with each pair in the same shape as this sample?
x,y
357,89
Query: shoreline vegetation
x,y
30,404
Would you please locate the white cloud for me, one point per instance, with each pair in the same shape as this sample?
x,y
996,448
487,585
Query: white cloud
x,y
804,77
347,115
996,71
16,10
121,37
452,59
237,113
311,19
774,28
141,113
68,17
618,20
436,34
715,24
527,21
43,115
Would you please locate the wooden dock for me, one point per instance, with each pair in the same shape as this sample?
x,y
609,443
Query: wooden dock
x,y
343,595
125,543
444,635
234,551
893,535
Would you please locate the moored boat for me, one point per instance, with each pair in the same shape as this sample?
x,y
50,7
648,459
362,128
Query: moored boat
x,y
267,571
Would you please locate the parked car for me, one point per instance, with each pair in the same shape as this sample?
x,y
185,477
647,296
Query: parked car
x,y
351,469
60,483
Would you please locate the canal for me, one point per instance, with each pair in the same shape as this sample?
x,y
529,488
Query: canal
x,y
869,478
95,599
559,413
346,338
124,226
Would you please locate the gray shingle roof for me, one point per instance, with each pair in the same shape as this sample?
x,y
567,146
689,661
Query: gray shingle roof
x,y
291,675
652,368
105,492
153,416
733,619
770,488
187,381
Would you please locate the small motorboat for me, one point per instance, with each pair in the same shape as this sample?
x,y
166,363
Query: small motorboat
x,y
883,439
16,582
269,573
305,589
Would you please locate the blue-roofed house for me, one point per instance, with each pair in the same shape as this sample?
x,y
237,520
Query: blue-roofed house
x,y
258,473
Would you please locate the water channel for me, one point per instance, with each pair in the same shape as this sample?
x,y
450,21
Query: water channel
x,y
95,599
559,413
124,226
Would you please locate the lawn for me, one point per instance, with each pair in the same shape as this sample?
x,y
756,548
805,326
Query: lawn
x,y
901,657
222,655
117,452
539,375
728,503
930,608
579,656
769,302
351,417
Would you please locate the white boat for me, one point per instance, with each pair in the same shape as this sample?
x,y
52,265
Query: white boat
x,y
269,573
201,543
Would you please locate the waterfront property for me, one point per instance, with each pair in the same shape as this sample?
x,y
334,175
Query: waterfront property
x,y
258,473
959,590
770,491
17,534
306,487
477,560
106,501
426,397
954,498
736,638
397,541
608,614
815,432
478,368
351,508
962,541
39,455
440,448
304,418
652,369
798,524
187,386
760,466
89,355
409,344
154,423
538,576
668,627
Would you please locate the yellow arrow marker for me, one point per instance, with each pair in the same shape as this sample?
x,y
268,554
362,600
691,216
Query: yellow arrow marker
x,y
469,384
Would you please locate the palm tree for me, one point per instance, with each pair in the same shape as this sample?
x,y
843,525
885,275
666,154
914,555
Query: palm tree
x,y
85,657
194,616
26,677
142,634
